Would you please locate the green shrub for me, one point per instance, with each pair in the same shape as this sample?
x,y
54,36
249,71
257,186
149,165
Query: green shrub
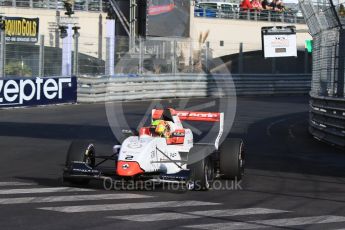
x,y
18,68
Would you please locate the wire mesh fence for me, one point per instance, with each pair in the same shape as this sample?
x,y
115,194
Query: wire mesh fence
x,y
325,21
149,56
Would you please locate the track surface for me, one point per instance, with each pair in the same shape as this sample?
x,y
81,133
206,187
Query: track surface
x,y
292,181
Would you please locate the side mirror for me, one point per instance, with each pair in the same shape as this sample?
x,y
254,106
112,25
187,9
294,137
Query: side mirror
x,y
128,133
116,148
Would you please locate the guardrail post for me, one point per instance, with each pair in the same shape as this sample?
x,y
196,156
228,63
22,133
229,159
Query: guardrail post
x,y
100,36
2,54
306,61
76,53
66,50
174,57
240,59
100,5
256,15
207,56
341,64
107,57
269,16
273,65
141,51
248,14
41,58
191,58
57,31
86,5
283,17
110,47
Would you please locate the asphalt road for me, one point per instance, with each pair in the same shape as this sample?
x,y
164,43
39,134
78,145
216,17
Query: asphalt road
x,y
291,182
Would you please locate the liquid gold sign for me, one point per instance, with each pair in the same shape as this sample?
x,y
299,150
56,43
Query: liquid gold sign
x,y
20,29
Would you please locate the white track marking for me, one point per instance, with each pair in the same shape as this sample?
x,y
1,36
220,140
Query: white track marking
x,y
197,214
14,183
269,127
128,206
271,223
42,190
50,199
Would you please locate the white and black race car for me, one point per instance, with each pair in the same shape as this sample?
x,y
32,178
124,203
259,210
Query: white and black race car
x,y
173,158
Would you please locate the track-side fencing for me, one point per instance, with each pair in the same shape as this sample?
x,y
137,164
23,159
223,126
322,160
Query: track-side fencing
x,y
327,119
104,89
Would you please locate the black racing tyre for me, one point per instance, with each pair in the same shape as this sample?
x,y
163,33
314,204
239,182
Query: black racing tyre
x,y
231,159
81,151
201,175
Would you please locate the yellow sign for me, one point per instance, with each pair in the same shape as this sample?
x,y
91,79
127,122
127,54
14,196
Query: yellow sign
x,y
20,29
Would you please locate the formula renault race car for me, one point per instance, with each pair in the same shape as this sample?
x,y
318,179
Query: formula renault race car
x,y
169,157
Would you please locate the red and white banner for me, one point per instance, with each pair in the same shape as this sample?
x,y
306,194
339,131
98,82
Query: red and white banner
x,y
160,9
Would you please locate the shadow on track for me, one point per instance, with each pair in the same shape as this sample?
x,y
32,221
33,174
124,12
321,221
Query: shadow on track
x,y
283,144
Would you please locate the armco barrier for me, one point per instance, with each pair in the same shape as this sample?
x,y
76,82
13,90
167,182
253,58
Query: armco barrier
x,y
327,119
102,88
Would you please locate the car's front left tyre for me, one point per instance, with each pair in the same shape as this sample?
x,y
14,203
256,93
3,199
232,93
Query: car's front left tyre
x,y
80,151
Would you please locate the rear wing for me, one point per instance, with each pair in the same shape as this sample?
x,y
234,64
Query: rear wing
x,y
196,116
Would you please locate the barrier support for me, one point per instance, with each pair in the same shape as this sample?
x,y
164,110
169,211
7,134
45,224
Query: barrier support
x,y
2,54
41,57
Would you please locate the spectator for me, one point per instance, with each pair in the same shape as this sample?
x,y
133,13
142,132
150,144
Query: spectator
x,y
266,5
256,5
280,6
276,5
246,5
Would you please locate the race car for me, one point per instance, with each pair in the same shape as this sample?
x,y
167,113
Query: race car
x,y
165,157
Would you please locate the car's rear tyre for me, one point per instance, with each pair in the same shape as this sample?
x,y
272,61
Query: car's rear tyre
x,y
201,175
80,151
231,157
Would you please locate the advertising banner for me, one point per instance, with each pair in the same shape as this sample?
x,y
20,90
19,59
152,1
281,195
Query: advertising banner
x,y
279,41
19,29
168,18
15,92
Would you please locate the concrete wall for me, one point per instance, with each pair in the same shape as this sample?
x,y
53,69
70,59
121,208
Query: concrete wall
x,y
232,32
88,21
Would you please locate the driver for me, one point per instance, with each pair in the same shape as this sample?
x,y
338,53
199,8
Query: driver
x,y
162,128
165,125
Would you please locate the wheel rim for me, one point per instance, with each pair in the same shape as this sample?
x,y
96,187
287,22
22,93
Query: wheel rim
x,y
208,175
89,158
241,160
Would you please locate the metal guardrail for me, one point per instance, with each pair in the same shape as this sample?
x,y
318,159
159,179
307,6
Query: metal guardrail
x,y
327,119
102,89
79,5
252,15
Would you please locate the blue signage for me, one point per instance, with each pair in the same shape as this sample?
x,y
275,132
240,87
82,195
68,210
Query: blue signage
x,y
24,91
